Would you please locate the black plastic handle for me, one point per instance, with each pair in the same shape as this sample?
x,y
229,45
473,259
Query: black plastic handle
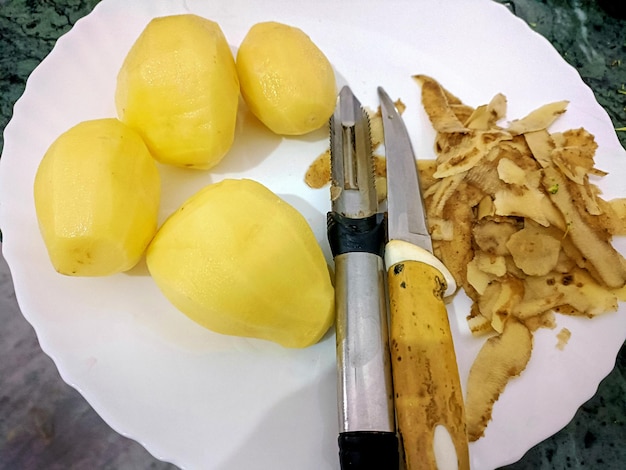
x,y
347,235
368,450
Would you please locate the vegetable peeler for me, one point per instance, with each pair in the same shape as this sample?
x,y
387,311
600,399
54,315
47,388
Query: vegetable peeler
x,y
356,233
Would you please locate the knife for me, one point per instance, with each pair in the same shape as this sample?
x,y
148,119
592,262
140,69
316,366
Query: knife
x,y
356,234
428,395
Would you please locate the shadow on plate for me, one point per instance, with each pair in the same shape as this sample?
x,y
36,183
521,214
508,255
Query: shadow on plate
x,y
269,443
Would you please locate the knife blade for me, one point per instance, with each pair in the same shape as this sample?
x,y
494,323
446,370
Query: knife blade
x,y
428,395
356,234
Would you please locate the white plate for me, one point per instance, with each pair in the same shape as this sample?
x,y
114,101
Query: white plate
x,y
205,401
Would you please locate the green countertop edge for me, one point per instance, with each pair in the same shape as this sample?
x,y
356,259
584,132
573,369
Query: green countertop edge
x,y
585,35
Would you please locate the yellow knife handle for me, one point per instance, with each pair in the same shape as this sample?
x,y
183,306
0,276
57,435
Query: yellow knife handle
x,y
427,390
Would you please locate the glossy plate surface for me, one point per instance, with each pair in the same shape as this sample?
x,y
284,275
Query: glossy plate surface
x,y
205,401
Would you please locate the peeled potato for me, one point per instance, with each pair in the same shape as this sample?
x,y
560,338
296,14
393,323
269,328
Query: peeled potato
x,y
240,261
178,88
286,80
97,193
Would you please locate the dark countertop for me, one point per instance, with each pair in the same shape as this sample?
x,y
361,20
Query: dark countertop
x,y
45,423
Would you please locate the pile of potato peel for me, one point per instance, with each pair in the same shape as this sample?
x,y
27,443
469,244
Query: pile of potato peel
x,y
514,205
515,216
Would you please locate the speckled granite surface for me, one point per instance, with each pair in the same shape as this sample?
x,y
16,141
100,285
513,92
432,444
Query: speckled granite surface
x,y
45,424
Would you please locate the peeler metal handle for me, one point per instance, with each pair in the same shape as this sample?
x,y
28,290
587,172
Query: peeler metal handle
x,y
367,435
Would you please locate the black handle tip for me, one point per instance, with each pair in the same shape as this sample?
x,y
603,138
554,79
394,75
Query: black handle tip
x,y
368,450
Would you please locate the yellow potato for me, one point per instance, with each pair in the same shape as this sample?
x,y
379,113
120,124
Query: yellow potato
x,y
240,261
286,81
97,193
178,88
